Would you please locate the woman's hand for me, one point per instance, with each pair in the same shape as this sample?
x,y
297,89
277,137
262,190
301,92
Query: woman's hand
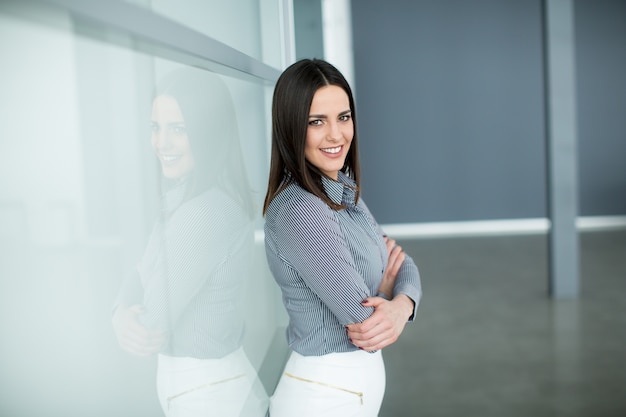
x,y
132,336
387,322
395,259
384,326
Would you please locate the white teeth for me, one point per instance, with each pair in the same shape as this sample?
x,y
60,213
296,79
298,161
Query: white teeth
x,y
332,150
169,158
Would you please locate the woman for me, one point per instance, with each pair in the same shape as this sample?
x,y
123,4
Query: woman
x,y
182,303
348,290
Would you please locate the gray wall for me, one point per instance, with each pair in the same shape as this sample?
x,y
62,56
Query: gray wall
x,y
601,84
307,20
450,99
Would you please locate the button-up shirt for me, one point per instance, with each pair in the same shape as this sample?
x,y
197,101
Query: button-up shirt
x,y
192,273
327,262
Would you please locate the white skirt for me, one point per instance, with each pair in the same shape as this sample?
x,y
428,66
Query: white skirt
x,y
350,384
224,387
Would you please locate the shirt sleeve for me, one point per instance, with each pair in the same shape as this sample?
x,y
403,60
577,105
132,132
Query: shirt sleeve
x,y
130,292
408,281
195,242
309,238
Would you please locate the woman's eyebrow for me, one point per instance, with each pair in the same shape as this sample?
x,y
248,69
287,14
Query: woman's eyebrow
x,y
323,116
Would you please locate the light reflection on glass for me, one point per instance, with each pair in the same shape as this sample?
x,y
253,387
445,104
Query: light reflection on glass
x,y
183,301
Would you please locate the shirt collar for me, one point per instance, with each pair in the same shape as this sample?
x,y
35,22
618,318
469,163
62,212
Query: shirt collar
x,y
342,191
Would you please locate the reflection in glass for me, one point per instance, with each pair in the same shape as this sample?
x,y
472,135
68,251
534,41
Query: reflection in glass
x,y
182,303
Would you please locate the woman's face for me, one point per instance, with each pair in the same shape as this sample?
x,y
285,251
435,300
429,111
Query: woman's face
x,y
169,138
330,130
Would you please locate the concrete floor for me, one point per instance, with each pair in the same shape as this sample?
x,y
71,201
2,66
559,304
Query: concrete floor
x,y
488,341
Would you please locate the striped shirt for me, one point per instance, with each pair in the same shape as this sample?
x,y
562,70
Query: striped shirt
x,y
192,274
326,263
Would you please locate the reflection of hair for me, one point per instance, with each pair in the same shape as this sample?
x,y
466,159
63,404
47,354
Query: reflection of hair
x,y
293,95
210,119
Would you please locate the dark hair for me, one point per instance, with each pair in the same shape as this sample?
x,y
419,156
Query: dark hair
x,y
207,106
291,104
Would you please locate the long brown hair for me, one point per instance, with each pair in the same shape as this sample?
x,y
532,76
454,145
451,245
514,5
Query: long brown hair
x,y
210,118
291,104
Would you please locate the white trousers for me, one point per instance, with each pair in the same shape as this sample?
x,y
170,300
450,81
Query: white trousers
x,y
224,387
348,384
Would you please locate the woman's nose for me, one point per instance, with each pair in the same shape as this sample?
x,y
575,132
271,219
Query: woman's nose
x,y
334,132
160,139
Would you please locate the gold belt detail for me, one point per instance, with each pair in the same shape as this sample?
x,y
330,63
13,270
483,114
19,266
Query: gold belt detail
x,y
359,393
173,397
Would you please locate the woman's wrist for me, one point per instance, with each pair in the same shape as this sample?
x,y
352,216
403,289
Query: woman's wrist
x,y
407,304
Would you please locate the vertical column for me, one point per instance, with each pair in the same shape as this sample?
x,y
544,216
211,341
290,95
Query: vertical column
x,y
287,31
561,148
337,28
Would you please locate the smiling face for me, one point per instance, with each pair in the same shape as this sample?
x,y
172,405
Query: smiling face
x,y
169,138
330,130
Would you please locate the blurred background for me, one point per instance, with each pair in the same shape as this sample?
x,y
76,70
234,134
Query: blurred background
x,y
493,146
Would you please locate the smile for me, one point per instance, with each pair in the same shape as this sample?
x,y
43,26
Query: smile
x,y
170,158
332,150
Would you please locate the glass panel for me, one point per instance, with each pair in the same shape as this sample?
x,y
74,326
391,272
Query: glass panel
x,y
250,26
112,199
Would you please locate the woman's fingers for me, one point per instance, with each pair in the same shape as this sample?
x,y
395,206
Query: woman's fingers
x,y
382,328
132,336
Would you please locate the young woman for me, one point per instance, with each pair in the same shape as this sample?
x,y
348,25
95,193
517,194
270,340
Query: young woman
x,y
182,303
347,288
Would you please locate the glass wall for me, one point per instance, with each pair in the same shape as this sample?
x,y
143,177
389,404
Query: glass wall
x,y
249,26
130,209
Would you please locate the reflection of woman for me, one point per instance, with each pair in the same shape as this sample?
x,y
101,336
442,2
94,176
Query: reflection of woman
x,y
183,303
348,289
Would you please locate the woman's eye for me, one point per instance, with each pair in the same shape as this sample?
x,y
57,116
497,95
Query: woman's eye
x,y
315,122
154,128
179,129
345,117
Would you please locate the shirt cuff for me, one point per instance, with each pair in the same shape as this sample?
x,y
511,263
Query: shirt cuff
x,y
383,295
414,294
